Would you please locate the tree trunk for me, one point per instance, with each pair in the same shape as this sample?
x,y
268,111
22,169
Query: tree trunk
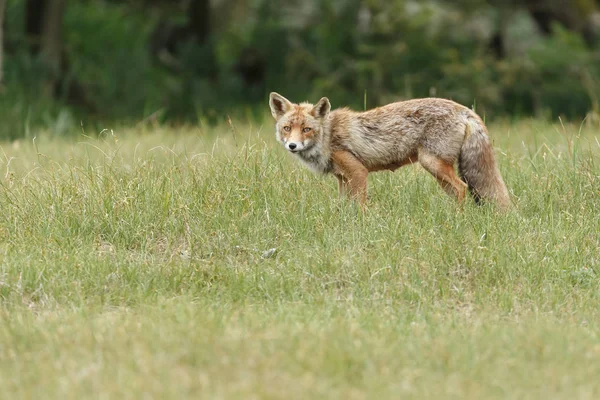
x,y
43,29
2,5
199,27
574,17
44,32
51,40
199,22
168,37
34,16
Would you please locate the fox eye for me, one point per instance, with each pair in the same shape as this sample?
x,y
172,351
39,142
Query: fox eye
x,y
307,129
287,128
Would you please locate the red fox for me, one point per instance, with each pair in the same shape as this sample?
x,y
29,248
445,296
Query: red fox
x,y
435,132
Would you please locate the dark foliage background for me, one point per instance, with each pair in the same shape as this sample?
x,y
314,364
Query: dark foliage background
x,y
98,61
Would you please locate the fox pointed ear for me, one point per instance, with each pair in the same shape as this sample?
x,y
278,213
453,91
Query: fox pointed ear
x,y
321,109
279,105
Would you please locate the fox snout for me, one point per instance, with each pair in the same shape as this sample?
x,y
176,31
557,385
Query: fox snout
x,y
294,140
294,147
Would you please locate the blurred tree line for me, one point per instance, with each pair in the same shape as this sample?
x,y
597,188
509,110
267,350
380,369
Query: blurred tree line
x,y
190,60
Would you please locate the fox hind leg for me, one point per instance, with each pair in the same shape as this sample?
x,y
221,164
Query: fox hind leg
x,y
444,172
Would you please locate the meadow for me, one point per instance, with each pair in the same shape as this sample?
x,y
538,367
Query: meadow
x,y
154,262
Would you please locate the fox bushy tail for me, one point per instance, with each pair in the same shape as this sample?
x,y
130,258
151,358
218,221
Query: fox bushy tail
x,y
477,165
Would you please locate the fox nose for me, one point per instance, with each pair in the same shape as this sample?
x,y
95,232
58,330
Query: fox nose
x,y
292,146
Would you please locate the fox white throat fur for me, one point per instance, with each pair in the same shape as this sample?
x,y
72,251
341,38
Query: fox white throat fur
x,y
437,133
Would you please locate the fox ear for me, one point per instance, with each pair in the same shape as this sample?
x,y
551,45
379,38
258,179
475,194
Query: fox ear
x,y
279,105
321,109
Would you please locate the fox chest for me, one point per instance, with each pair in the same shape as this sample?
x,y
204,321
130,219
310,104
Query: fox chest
x,y
316,160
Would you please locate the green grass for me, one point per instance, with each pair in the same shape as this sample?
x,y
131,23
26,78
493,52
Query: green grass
x,y
136,265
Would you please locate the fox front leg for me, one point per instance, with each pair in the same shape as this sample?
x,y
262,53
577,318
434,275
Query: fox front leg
x,y
354,173
342,185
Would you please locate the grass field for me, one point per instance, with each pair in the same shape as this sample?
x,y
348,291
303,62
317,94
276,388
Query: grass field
x,y
141,265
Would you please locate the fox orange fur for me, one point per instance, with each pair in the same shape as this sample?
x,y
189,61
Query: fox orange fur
x,y
437,133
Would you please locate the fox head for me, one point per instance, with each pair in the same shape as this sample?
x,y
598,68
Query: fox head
x,y
299,127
